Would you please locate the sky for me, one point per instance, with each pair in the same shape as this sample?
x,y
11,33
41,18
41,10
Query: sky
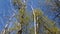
x,y
5,10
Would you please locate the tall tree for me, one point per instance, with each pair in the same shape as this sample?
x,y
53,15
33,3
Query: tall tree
x,y
44,24
22,16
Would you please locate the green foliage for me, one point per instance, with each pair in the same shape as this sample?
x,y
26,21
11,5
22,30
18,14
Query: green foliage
x,y
48,25
38,12
31,30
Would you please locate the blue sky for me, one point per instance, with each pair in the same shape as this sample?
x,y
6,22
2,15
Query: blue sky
x,y
5,10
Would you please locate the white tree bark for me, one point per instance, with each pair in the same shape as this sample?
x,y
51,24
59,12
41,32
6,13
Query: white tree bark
x,y
34,18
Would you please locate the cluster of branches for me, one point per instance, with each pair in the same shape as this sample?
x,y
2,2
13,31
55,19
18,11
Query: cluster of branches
x,y
54,5
38,18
